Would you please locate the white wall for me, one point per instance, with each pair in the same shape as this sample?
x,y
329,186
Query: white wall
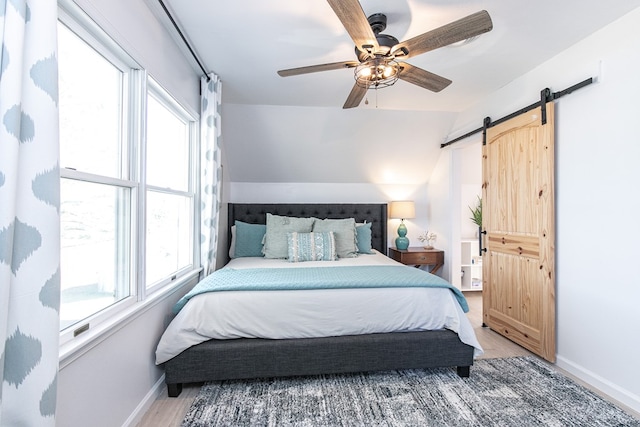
x,y
597,203
269,143
111,383
470,158
442,215
114,382
457,191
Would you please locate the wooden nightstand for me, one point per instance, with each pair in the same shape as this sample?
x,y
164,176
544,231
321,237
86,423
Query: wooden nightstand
x,y
419,256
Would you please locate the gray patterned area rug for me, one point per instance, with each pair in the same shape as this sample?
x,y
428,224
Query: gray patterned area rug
x,y
519,391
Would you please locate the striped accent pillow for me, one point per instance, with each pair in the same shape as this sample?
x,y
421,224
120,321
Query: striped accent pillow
x,y
312,246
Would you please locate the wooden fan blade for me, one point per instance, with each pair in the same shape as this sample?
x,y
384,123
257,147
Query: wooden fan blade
x,y
462,29
355,22
354,98
422,78
317,68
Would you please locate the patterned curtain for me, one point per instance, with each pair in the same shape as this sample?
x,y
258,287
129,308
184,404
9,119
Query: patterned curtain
x,y
29,212
210,169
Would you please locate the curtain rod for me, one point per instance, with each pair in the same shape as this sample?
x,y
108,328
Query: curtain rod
x,y
546,96
184,39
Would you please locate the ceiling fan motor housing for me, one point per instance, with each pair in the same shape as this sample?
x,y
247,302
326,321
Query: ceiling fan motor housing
x,y
378,22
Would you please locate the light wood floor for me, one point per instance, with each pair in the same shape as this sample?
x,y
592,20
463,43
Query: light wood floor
x,y
169,412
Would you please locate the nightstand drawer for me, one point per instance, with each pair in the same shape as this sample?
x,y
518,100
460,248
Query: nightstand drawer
x,y
420,258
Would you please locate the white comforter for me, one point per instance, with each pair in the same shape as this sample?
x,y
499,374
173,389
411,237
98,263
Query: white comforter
x,y
313,313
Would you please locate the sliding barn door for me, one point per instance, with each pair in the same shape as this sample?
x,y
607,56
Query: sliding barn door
x,y
518,217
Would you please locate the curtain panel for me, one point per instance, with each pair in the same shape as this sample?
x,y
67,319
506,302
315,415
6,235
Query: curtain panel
x,y
210,169
29,213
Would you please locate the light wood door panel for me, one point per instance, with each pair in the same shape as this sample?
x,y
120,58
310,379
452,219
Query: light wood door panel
x,y
518,218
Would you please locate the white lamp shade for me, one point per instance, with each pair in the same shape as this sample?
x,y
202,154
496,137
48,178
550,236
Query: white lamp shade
x,y
402,209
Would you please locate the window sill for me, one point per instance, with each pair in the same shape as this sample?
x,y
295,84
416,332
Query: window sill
x,y
75,348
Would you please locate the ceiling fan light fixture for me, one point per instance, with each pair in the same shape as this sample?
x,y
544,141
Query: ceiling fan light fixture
x,y
377,73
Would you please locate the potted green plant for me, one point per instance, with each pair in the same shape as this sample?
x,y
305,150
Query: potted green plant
x,y
476,213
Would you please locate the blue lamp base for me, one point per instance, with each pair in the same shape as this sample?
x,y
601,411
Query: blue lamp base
x,y
402,241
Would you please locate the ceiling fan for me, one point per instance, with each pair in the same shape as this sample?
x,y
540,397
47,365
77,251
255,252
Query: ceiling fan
x,y
378,54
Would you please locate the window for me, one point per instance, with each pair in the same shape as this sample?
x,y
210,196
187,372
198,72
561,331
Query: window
x,y
96,197
96,242
170,196
112,217
91,97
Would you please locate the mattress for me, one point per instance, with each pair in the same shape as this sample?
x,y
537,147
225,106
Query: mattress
x,y
312,313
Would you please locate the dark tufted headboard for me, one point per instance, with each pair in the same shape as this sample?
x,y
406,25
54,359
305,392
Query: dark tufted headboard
x,y
375,213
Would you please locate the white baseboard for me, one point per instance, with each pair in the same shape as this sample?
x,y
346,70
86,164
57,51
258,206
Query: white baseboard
x,y
145,404
623,396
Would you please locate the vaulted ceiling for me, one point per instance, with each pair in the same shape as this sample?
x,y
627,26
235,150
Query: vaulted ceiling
x,y
246,42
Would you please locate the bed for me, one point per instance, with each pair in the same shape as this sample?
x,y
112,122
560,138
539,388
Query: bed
x,y
247,333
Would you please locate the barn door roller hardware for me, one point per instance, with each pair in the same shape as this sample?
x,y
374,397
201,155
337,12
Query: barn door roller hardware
x,y
545,96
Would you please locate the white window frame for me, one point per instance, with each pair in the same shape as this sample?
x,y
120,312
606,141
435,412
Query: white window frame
x,y
160,94
133,118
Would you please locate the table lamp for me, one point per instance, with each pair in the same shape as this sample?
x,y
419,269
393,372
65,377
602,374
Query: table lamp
x,y
402,210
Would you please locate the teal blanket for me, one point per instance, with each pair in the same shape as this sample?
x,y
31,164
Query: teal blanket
x,y
280,279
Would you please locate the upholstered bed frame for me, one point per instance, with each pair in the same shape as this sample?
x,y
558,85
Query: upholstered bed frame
x,y
257,358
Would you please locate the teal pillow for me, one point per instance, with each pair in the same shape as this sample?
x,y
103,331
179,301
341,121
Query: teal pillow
x,y
248,242
275,239
363,238
344,231
311,246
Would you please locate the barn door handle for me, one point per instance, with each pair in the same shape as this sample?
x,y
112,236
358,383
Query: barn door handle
x,y
480,248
